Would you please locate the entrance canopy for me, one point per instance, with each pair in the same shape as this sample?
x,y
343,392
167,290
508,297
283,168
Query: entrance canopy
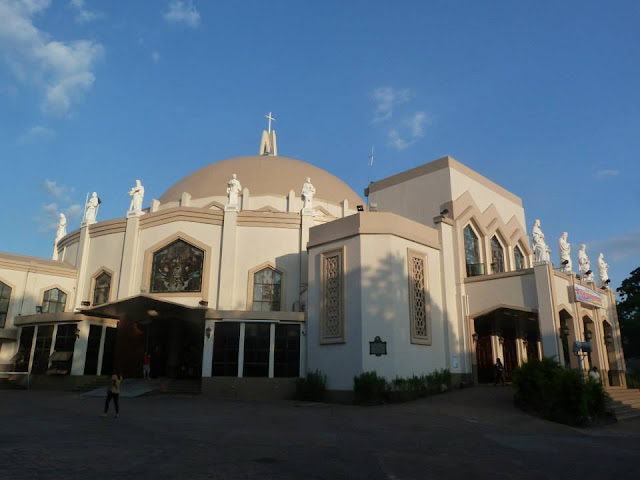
x,y
146,307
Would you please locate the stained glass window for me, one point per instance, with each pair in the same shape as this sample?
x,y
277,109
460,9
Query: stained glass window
x,y
54,300
497,256
177,268
472,252
5,295
102,289
519,257
267,289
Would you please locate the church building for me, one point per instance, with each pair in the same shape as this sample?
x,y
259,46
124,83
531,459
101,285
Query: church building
x,y
255,270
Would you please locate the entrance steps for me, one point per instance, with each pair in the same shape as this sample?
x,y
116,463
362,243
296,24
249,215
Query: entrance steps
x,y
625,402
137,387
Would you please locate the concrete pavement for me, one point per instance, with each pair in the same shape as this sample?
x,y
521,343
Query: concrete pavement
x,y
472,433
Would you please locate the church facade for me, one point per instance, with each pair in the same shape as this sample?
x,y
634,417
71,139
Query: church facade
x,y
262,268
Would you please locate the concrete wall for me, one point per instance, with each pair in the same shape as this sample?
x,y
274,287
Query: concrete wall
x,y
418,198
339,361
385,308
512,290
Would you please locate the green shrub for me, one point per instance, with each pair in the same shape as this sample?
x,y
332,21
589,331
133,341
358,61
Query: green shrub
x,y
311,388
369,388
438,381
633,378
557,394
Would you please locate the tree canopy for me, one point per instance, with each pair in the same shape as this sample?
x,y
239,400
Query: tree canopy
x,y
629,314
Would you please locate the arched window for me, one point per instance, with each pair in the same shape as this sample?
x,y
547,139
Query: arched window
x,y
497,256
267,290
472,252
5,296
102,289
177,268
519,258
54,300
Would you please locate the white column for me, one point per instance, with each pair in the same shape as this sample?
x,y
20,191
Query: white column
x,y
226,281
207,350
306,224
272,349
549,324
81,266
52,348
103,335
33,347
80,349
303,350
126,279
241,351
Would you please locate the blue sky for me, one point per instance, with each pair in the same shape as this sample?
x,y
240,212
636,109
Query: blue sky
x,y
540,97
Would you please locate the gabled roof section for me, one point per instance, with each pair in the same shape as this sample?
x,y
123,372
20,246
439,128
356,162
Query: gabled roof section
x,y
442,163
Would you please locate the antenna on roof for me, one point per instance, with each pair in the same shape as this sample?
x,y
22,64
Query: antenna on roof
x,y
369,168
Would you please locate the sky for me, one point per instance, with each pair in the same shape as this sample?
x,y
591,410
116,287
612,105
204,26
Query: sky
x,y
540,97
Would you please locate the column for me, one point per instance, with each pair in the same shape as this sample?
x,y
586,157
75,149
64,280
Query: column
x,y
207,350
306,224
81,266
226,279
33,347
549,324
241,351
80,349
127,279
103,336
272,349
456,335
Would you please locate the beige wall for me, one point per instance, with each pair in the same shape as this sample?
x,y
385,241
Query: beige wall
x,y
512,290
257,245
104,252
417,198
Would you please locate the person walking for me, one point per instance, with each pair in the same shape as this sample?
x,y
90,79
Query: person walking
x,y
499,372
113,392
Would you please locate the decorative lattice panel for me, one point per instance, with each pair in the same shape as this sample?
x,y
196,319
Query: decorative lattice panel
x,y
418,300
332,292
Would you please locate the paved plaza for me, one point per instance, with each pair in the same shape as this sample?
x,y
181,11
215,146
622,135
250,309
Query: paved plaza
x,y
472,433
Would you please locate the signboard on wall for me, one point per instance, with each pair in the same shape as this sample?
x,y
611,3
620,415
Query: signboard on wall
x,y
586,295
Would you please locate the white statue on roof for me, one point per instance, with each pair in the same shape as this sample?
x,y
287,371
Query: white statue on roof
x,y
233,190
603,271
62,227
540,248
91,209
584,264
137,194
564,249
308,191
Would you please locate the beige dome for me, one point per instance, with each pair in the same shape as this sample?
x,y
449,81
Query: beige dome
x,y
262,175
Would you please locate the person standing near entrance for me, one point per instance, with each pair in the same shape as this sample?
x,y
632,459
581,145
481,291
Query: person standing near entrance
x,y
594,375
113,392
499,372
146,365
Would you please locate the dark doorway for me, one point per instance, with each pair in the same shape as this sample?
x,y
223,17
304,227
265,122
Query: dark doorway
x,y
510,357
93,350
174,344
484,358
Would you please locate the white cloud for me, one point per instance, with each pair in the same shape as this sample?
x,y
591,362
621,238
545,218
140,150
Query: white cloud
x,y
411,131
82,14
48,216
57,191
620,247
607,173
37,133
63,69
183,12
155,56
386,98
